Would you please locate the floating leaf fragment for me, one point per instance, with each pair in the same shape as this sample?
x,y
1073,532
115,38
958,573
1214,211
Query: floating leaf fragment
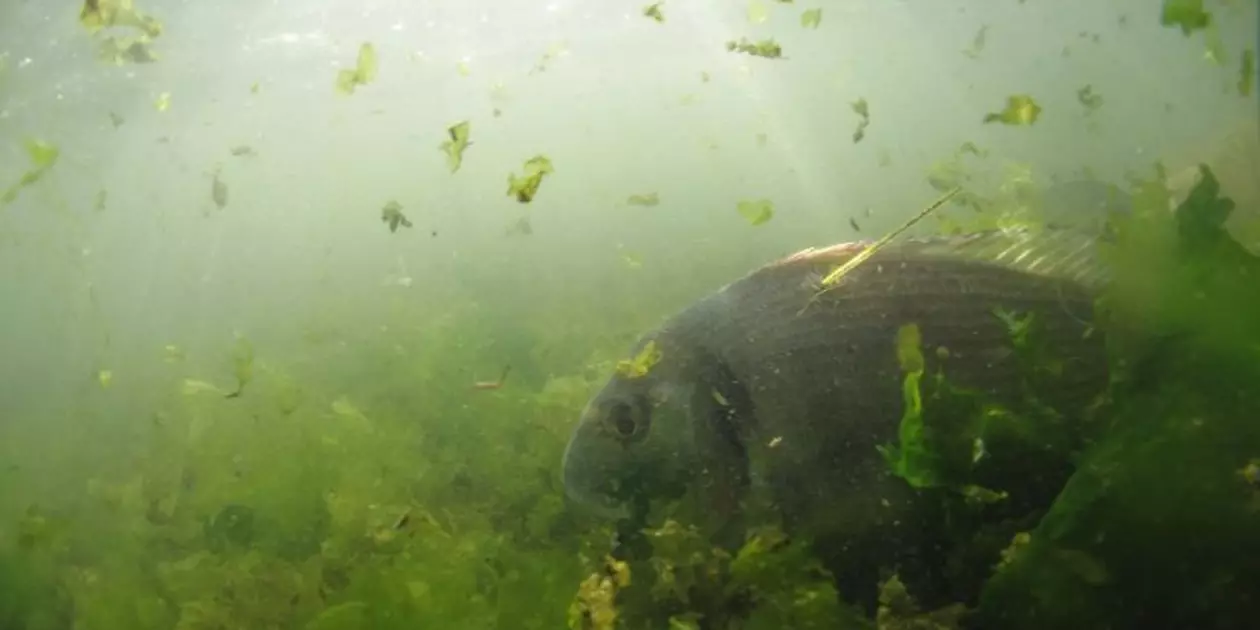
x,y
642,363
520,227
454,146
218,190
526,186
101,14
758,12
1089,99
811,18
124,50
1189,15
254,87
756,212
970,147
767,48
243,150
864,115
363,73
645,200
1021,109
977,42
653,11
43,156
1247,73
162,102
392,215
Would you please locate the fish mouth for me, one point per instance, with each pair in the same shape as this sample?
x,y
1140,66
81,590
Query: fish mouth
x,y
595,504
580,490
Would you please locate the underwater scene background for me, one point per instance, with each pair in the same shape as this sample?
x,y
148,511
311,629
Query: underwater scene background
x,y
301,303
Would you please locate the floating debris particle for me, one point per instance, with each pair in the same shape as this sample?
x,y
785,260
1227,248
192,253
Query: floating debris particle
x,y
854,224
520,227
646,200
496,384
101,14
1188,15
43,156
762,140
243,150
99,204
756,212
172,353
758,12
767,48
811,18
1250,473
653,11
364,71
864,115
526,186
970,147
1247,73
977,42
642,363
192,387
116,120
218,190
454,145
162,102
1089,99
1021,109
105,377
124,50
554,51
242,365
392,215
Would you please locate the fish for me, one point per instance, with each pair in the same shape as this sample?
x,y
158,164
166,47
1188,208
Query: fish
x,y
748,392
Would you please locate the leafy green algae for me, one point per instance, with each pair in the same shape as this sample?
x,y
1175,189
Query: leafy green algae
x,y
1157,526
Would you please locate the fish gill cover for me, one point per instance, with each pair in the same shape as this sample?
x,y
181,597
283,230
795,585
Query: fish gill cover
x,y
382,484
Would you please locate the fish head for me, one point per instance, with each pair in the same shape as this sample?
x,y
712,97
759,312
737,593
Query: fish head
x,y
633,442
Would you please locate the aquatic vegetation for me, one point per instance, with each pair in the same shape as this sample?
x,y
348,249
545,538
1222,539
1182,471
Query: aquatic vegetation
x,y
811,18
367,477
653,12
767,48
864,119
646,200
1021,110
756,212
392,215
363,72
526,186
455,144
43,157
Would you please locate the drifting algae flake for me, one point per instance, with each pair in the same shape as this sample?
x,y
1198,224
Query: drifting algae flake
x,y
526,186
363,72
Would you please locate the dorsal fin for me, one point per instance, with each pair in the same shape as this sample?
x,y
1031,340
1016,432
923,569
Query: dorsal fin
x,y
1055,252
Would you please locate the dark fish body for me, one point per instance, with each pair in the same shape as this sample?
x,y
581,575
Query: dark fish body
x,y
769,380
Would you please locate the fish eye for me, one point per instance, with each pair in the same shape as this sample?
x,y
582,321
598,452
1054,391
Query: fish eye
x,y
624,421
